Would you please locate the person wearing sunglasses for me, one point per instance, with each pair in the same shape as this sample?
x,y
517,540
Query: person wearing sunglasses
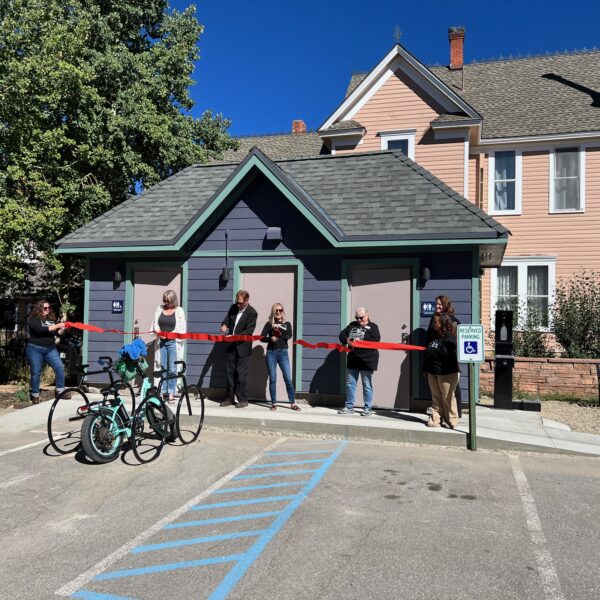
x,y
361,361
41,348
168,317
276,333
239,320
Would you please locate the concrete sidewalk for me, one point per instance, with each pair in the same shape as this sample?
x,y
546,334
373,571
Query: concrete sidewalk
x,y
496,429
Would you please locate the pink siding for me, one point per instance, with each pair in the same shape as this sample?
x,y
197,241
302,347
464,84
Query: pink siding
x,y
572,238
400,104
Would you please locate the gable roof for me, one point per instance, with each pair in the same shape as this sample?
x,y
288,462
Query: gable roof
x,y
377,196
398,58
525,97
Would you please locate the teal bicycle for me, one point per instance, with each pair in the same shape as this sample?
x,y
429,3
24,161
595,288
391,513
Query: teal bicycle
x,y
108,423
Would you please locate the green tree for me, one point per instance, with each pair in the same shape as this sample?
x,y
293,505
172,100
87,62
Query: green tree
x,y
577,315
94,105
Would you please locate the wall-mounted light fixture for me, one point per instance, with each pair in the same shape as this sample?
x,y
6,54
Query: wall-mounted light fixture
x,y
274,234
117,279
226,272
425,275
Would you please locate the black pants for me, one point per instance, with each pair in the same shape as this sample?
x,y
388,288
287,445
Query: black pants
x,y
237,376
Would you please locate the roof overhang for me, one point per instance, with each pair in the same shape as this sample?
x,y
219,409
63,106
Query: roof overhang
x,y
399,57
352,132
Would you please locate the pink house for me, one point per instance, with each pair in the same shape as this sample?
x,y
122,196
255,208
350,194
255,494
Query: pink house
x,y
520,138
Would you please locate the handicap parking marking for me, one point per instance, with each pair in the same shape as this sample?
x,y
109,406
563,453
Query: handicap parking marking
x,y
272,522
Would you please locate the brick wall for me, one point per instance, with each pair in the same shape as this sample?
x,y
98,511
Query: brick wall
x,y
547,376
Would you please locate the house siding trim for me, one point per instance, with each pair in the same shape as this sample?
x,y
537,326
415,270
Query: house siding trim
x,y
299,325
86,311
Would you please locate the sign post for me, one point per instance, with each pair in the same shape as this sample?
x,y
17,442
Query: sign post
x,y
471,350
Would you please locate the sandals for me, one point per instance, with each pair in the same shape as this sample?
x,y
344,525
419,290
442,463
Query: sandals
x,y
295,407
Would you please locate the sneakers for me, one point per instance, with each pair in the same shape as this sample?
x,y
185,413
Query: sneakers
x,y
346,411
367,412
431,423
226,402
242,404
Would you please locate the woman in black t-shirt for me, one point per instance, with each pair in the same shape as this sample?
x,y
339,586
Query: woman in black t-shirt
x,y
276,333
41,348
443,372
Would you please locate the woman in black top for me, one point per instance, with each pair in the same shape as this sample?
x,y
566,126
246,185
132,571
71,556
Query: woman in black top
x,y
276,333
443,372
41,348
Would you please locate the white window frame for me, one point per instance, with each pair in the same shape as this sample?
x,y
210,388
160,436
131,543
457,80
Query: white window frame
x,y
551,206
518,183
405,134
522,263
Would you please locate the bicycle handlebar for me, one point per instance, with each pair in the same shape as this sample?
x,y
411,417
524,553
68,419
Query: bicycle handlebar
x,y
181,362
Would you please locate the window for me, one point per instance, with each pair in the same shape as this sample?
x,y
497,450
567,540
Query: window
x,y
567,180
525,286
505,183
399,140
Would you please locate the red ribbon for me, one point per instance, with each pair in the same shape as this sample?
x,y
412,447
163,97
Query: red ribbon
x,y
208,337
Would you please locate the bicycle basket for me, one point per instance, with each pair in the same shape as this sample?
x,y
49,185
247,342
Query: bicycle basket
x,y
128,369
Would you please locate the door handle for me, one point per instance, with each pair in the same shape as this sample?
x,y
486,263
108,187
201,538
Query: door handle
x,y
405,338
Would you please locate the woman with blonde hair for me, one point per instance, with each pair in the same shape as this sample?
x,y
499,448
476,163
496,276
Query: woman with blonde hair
x,y
276,333
169,316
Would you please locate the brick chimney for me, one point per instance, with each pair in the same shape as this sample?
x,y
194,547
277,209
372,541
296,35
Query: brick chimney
x,y
298,126
456,35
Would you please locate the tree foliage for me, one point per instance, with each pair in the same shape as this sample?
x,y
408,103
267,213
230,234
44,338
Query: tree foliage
x,y
94,101
577,315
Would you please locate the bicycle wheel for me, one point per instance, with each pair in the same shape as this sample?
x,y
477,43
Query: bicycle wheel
x,y
102,434
190,415
150,428
64,429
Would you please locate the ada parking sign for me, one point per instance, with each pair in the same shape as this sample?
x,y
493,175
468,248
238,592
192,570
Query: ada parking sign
x,y
471,348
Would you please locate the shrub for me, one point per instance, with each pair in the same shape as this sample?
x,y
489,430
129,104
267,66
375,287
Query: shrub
x,y
531,342
577,315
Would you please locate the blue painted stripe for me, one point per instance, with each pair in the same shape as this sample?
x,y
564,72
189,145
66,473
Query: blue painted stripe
x,y
274,474
241,502
200,540
86,595
249,488
188,564
285,464
240,568
297,452
222,520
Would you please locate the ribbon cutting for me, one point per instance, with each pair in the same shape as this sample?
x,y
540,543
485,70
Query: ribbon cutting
x,y
208,337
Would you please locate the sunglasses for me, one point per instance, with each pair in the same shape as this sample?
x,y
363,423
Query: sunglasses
x,y
279,310
45,307
359,318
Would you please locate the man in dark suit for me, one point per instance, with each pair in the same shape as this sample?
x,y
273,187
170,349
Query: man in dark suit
x,y
240,320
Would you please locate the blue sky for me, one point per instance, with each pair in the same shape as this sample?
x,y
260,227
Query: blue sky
x,y
264,62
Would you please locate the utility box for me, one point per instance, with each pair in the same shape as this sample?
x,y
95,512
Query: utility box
x,y
504,360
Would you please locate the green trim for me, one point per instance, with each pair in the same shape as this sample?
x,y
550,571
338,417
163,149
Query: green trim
x,y
130,268
413,264
86,312
299,329
475,312
365,245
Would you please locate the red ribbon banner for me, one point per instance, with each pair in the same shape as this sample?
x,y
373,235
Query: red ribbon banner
x,y
208,337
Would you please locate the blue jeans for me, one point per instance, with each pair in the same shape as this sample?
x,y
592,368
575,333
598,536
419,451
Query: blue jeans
x,y
37,356
279,356
352,382
168,356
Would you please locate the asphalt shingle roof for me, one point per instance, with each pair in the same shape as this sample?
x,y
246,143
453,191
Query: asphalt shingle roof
x,y
528,96
279,146
373,195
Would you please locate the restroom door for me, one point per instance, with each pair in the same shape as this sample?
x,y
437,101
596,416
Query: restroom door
x,y
148,290
386,293
266,286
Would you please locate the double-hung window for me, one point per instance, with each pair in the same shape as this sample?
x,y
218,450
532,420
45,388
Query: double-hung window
x,y
525,285
567,183
505,183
